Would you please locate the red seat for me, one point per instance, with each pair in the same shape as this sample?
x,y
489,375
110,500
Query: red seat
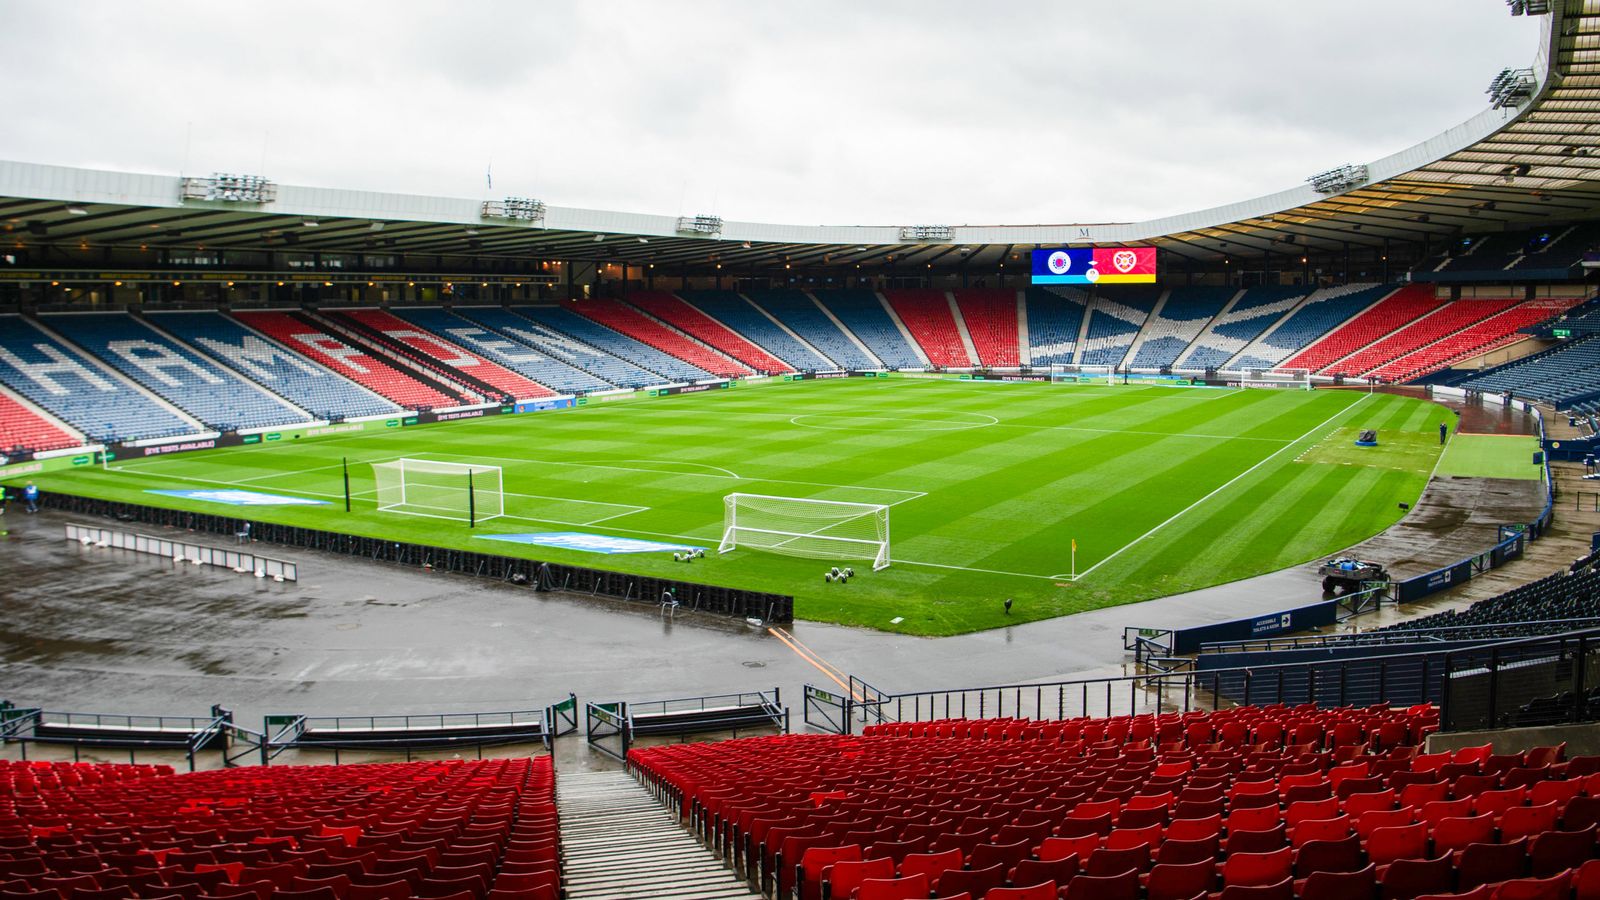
x,y
1255,869
1033,871
912,887
1525,821
1480,864
808,875
1553,851
1407,879
1455,833
1387,845
976,882
1182,881
930,864
1556,887
1114,887
1045,890
1358,885
1282,890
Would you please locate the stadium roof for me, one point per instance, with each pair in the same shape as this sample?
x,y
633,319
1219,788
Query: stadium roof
x,y
1535,159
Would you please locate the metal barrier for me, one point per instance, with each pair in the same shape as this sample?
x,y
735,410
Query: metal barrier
x,y
183,551
623,722
1445,677
189,735
414,731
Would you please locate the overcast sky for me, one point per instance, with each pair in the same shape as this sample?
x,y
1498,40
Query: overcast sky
x,y
811,112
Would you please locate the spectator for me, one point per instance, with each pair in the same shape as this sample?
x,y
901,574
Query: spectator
x,y
30,496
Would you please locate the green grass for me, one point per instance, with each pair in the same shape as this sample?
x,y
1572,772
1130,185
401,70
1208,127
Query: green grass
x,y
1164,489
1491,456
1404,451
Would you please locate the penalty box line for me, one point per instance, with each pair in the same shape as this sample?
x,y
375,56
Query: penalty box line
x,y
1224,486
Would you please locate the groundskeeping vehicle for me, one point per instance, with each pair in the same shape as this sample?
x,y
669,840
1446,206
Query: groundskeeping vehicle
x,y
1347,573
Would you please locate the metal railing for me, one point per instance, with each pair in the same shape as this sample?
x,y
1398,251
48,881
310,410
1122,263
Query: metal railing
x,y
184,551
1480,683
1450,633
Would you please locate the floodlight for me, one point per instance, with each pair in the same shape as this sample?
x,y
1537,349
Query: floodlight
x,y
1529,7
926,233
1511,88
522,209
701,224
229,189
1334,181
77,211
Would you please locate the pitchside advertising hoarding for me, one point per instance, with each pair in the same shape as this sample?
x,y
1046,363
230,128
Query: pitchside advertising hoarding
x,y
1095,265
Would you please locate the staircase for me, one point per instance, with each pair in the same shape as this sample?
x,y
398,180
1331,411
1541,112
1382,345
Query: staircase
x,y
618,843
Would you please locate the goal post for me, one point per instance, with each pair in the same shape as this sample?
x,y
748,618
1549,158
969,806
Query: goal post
x,y
1281,379
797,526
1065,373
468,492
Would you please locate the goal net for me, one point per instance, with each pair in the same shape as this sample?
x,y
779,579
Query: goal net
x,y
1062,373
422,487
821,529
1283,379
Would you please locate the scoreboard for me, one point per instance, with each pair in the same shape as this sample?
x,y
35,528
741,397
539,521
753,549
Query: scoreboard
x,y
1095,265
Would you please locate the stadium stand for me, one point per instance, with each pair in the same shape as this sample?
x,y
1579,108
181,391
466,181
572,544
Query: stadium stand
x,y
629,321
991,317
458,829
1435,326
797,311
606,369
1388,315
478,373
23,430
1177,322
863,313
1115,318
284,372
77,391
1561,252
1055,316
737,313
1324,310
1481,337
1251,802
690,320
1561,376
216,396
1574,595
663,366
1233,330
543,369
409,389
927,316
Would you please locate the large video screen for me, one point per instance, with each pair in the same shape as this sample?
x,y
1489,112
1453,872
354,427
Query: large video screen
x,y
1095,265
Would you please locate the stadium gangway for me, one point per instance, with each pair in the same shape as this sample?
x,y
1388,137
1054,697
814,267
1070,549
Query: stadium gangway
x,y
420,731
621,723
1402,637
188,735
1491,682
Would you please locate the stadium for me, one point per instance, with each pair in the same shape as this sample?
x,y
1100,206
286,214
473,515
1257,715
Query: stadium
x,y
372,544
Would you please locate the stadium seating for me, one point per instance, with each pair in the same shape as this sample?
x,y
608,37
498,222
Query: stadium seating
x,y
1178,804
1115,317
473,830
1435,326
284,372
862,312
1563,375
438,351
664,367
691,321
1574,595
1390,314
378,375
608,371
800,314
737,313
1324,310
513,355
1488,334
1055,316
1187,311
629,321
23,429
991,317
1248,319
927,316
79,392
216,396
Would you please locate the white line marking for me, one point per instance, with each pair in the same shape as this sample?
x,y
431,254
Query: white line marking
x,y
1179,514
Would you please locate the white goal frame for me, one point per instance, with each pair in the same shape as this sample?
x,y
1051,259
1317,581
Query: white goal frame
x,y
862,528
1281,379
402,487
1068,373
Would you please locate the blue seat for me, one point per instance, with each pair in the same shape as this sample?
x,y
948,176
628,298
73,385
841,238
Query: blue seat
x,y
734,311
658,367
862,312
516,355
302,381
797,310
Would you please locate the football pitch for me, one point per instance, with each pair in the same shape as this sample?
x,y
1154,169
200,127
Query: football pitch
x,y
1164,489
